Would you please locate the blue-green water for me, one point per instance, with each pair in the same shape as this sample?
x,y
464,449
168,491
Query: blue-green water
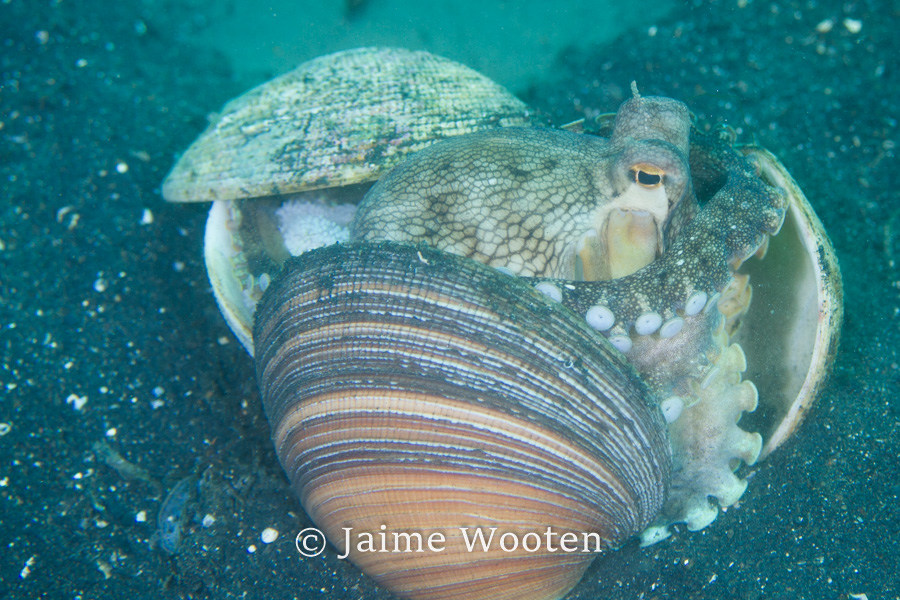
x,y
119,380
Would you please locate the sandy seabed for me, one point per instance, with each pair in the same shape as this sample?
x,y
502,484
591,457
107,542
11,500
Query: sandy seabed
x,y
119,380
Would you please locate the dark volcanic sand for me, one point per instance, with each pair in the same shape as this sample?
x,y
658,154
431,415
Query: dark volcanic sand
x,y
95,304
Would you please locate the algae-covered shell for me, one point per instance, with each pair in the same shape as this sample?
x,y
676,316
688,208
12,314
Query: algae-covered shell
x,y
336,120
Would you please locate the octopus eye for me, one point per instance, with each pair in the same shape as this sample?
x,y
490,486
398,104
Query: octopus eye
x,y
647,176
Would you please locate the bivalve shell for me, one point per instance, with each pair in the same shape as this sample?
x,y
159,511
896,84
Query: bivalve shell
x,y
798,302
418,393
340,119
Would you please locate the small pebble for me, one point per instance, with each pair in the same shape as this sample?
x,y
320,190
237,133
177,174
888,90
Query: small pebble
x,y
62,212
141,517
26,570
111,432
77,402
251,548
147,217
5,428
105,568
208,520
122,167
100,285
42,37
825,26
853,25
269,535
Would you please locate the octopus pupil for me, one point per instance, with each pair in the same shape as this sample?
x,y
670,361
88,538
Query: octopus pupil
x,y
648,179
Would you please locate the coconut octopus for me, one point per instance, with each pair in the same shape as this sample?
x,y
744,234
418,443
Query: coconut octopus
x,y
389,358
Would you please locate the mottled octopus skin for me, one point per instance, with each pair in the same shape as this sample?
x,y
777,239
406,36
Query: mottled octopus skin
x,y
728,230
523,198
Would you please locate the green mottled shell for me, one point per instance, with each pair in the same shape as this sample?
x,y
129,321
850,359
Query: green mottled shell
x,y
340,119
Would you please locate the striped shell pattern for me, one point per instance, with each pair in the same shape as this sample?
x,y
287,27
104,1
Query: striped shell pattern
x,y
418,393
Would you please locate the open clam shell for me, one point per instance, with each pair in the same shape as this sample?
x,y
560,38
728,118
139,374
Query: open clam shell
x,y
320,134
791,333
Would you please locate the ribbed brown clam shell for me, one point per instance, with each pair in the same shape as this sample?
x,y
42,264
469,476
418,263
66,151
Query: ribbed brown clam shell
x,y
419,392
